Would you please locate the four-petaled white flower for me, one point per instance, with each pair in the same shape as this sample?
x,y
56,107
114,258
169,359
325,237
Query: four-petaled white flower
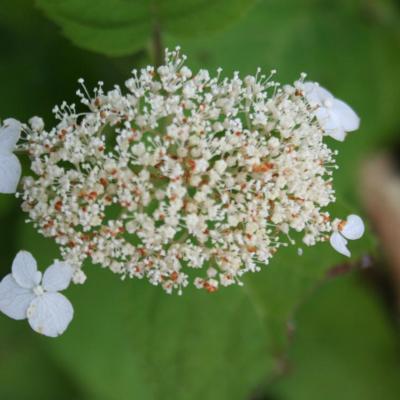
x,y
10,167
24,294
334,115
352,229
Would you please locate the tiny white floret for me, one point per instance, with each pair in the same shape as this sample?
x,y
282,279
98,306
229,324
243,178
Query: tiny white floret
x,y
36,123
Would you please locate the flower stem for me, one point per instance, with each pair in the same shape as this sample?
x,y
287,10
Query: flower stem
x,y
156,45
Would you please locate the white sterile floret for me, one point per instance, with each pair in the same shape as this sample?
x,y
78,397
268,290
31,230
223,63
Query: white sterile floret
x,y
183,176
26,294
36,123
10,167
352,229
335,116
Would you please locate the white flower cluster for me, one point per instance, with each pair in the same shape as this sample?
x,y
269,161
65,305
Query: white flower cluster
x,y
183,172
183,176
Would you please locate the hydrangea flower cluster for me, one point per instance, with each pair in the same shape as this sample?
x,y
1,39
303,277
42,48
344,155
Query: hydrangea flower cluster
x,y
183,176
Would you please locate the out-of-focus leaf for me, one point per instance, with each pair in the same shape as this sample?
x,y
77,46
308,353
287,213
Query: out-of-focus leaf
x,y
40,68
131,340
117,27
290,279
345,348
279,290
27,371
6,202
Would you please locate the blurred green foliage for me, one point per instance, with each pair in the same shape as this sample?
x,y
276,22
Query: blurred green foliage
x,y
345,347
130,340
117,27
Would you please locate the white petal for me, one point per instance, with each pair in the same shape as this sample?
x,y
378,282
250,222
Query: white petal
x,y
24,270
50,314
57,277
349,120
10,173
354,227
327,119
323,93
316,94
9,135
330,123
14,300
339,243
337,134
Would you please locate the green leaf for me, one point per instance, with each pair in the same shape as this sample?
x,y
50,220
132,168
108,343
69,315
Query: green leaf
x,y
6,203
345,347
118,27
27,371
131,340
290,279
